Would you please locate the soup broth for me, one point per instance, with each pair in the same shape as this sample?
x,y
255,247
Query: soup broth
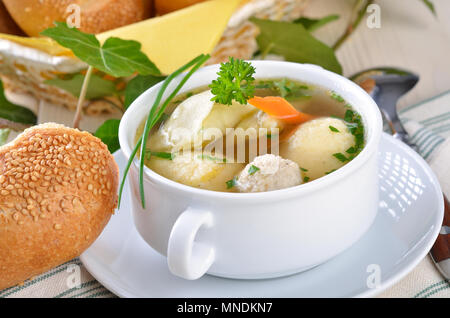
x,y
303,152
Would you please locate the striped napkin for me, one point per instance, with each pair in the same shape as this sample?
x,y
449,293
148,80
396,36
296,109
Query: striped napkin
x,y
429,125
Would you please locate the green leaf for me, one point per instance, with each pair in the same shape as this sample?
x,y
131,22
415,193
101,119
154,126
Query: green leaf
x,y
314,24
333,129
303,169
295,44
340,157
108,132
349,115
253,169
231,183
306,179
162,155
138,85
337,97
430,6
283,86
98,87
287,89
216,159
13,112
116,57
4,134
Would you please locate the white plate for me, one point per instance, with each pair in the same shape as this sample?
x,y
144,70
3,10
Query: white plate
x,y
410,216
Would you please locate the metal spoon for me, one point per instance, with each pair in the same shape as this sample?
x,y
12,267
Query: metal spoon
x,y
386,85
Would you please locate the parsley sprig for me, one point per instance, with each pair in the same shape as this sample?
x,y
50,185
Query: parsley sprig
x,y
235,82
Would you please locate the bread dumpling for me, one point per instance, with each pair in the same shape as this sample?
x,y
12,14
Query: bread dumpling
x,y
196,169
314,145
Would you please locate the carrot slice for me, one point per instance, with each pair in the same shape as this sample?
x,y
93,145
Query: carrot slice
x,y
280,108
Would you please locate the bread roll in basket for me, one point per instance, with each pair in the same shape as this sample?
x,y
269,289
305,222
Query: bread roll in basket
x,y
26,63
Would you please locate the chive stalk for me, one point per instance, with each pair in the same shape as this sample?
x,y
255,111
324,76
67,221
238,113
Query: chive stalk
x,y
152,120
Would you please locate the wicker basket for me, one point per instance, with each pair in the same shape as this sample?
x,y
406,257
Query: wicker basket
x,y
24,69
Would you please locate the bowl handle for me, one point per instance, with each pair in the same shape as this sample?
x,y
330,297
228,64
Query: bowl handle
x,y
186,258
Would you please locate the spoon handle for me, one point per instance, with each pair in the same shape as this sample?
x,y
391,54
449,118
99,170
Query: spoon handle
x,y
441,248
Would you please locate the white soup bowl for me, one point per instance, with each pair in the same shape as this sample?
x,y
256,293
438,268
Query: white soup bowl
x,y
257,235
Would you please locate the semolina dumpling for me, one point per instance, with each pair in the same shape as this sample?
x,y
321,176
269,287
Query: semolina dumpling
x,y
314,144
196,170
260,119
227,116
184,123
192,117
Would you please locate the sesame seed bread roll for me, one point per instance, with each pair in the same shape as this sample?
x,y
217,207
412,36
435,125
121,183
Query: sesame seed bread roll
x,y
164,6
58,189
34,16
7,24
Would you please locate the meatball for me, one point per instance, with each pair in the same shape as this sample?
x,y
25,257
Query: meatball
x,y
314,145
268,172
